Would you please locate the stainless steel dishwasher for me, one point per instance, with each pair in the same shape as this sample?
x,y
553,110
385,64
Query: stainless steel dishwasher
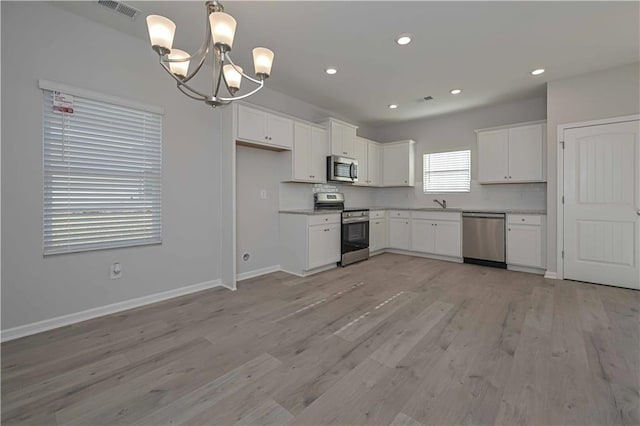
x,y
483,241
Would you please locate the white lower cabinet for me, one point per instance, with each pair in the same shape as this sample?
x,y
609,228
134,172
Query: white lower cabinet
x,y
400,233
324,245
377,231
436,233
309,242
526,241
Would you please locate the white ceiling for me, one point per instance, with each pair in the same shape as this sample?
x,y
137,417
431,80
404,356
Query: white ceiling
x,y
485,48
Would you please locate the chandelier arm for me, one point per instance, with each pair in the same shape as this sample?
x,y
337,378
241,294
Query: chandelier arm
x,y
197,98
220,62
182,83
236,68
237,98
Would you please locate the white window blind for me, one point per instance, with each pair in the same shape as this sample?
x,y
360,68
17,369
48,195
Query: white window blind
x,y
447,171
102,176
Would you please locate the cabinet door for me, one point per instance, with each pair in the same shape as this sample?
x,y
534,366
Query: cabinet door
x,y
332,244
396,165
348,141
335,135
374,164
302,152
360,151
524,245
526,153
319,152
447,239
280,131
422,235
493,155
252,124
399,234
378,234
317,246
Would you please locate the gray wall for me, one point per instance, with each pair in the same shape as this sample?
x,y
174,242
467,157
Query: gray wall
x,y
72,50
604,94
456,132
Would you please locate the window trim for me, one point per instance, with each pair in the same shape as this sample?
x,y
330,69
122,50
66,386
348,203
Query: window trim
x,y
424,183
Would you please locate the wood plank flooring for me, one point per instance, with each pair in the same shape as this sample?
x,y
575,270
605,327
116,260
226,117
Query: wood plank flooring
x,y
395,340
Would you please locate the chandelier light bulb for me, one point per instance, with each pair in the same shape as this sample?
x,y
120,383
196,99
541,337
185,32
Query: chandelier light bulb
x,y
262,61
223,29
179,68
232,77
161,32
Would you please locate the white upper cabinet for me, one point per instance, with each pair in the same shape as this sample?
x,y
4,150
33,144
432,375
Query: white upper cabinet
x,y
512,154
398,159
309,153
368,154
342,137
264,128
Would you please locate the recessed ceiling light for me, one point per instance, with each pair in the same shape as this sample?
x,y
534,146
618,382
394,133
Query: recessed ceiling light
x,y
455,91
537,71
403,39
393,106
331,70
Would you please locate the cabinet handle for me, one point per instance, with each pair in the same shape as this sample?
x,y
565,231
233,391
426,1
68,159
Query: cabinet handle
x,y
522,219
505,177
266,137
509,229
509,177
326,220
344,152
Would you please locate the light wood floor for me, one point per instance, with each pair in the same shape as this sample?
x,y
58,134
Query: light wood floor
x,y
394,340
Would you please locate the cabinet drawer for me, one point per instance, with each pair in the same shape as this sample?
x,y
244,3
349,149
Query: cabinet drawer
x,y
323,219
377,214
431,215
405,214
524,219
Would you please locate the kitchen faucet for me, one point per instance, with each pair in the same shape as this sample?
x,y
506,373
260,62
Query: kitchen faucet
x,y
442,204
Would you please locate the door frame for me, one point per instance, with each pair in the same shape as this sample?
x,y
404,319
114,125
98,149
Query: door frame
x,y
560,182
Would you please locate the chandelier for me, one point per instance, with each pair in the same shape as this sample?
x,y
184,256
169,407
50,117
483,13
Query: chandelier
x,y
220,30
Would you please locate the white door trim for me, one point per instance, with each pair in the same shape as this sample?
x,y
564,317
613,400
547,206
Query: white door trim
x,y
560,179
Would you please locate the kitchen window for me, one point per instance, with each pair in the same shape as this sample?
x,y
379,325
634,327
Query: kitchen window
x,y
447,171
102,173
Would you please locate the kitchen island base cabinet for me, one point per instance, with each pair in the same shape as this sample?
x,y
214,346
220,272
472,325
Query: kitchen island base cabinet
x,y
309,243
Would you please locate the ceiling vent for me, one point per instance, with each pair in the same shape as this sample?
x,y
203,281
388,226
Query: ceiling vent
x,y
428,98
121,8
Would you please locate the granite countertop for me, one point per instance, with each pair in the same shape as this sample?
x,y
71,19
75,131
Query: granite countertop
x,y
433,209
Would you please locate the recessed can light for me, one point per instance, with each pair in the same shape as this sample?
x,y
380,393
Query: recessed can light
x,y
331,70
455,91
393,106
537,71
403,39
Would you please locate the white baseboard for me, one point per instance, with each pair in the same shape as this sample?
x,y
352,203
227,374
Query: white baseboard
x,y
551,275
61,321
526,269
257,272
425,255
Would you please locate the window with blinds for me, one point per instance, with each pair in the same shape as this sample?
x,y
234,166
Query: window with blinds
x,y
447,171
102,176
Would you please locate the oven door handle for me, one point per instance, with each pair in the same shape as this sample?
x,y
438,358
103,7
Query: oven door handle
x,y
356,219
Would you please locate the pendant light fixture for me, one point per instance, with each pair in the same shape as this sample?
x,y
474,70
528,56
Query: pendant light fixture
x,y
220,32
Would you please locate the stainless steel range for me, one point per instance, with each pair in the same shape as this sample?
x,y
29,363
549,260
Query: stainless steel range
x,y
355,226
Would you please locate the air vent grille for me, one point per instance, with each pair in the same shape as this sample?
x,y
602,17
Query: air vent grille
x,y
121,8
428,98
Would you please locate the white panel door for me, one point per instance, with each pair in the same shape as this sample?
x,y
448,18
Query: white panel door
x,y
319,152
525,153
601,185
374,166
360,151
280,131
302,151
447,239
493,156
252,124
423,236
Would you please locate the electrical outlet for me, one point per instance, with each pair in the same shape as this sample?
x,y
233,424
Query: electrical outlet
x,y
263,194
115,272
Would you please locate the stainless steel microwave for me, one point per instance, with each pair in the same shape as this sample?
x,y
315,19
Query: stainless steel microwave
x,y
342,169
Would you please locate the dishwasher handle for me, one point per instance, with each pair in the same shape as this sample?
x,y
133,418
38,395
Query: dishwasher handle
x,y
480,214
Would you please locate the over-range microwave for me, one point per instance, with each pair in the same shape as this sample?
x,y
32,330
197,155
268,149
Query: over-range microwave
x,y
342,169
